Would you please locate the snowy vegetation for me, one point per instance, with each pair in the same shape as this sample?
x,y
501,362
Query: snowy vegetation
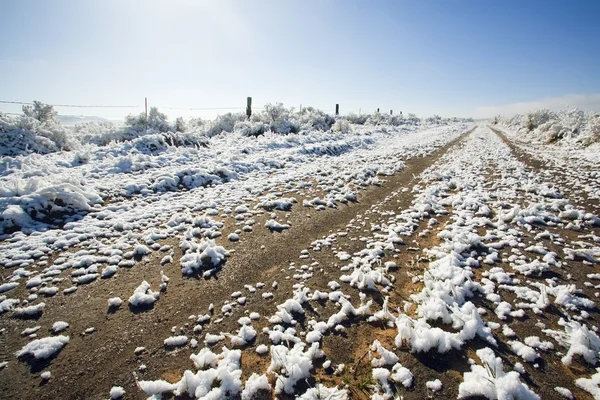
x,y
546,126
39,131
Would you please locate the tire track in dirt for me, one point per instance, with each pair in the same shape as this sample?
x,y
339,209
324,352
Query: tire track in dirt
x,y
575,194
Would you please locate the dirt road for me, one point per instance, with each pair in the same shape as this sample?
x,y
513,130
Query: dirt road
x,y
311,252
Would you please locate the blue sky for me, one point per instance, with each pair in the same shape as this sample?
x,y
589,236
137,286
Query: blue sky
x,y
469,58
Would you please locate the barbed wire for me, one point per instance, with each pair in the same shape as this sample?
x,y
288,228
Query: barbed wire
x,y
66,105
24,103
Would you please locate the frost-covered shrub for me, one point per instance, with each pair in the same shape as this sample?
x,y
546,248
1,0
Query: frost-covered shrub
x,y
378,118
251,128
535,119
100,133
280,119
187,139
156,122
180,125
549,127
40,111
593,130
341,125
25,134
357,119
29,200
104,132
15,139
435,120
150,144
223,123
311,118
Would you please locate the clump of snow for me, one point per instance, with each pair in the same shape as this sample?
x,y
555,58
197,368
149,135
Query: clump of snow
x,y
202,256
492,382
262,349
402,375
292,365
29,311
59,326
116,392
210,338
7,305
5,287
29,331
141,250
218,376
276,226
115,302
245,335
255,384
387,357
434,386
321,391
176,341
591,385
143,296
564,392
44,348
579,339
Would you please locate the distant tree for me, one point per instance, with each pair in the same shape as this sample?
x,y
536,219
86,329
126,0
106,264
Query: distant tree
x,y
180,125
40,111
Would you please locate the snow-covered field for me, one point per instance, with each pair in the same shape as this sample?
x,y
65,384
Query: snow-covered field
x,y
359,264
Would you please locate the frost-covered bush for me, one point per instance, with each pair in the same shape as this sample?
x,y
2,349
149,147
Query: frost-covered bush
x,y
27,134
549,127
150,144
160,142
104,132
180,125
311,118
100,133
223,123
156,122
185,139
251,128
378,118
26,201
40,111
274,118
357,119
435,120
280,119
341,125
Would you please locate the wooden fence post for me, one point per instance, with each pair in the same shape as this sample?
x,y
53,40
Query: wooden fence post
x,y
337,109
249,107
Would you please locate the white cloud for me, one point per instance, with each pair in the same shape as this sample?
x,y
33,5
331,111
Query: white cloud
x,y
585,102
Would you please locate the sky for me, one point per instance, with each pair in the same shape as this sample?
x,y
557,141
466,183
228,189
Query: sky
x,y
448,57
